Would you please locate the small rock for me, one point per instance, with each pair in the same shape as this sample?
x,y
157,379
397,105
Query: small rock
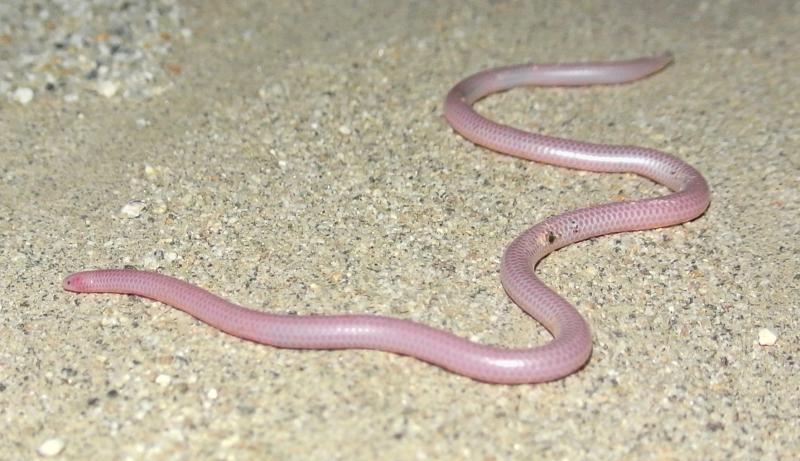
x,y
133,208
150,262
107,88
159,207
23,95
149,171
345,130
766,337
107,321
51,447
163,380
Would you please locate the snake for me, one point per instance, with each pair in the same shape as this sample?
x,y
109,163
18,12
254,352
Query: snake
x,y
570,348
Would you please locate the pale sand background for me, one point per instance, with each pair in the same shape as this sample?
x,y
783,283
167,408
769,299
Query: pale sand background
x,y
298,162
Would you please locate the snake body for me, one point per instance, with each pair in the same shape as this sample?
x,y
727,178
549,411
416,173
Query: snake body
x,y
572,344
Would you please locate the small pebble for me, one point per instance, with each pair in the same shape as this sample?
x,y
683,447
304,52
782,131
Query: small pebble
x,y
230,441
766,337
159,207
345,130
163,380
51,447
150,262
107,321
133,208
150,172
212,394
107,88
23,95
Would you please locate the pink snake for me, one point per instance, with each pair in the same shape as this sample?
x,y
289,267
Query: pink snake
x,y
572,343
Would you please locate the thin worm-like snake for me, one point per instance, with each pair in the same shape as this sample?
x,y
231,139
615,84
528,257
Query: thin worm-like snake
x,y
572,343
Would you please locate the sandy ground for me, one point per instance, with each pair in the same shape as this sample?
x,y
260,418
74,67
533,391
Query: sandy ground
x,y
297,161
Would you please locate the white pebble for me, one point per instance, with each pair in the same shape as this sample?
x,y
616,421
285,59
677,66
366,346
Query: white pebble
x,y
106,321
159,207
212,394
23,95
150,262
230,441
345,130
51,447
163,380
767,337
133,208
107,88
149,171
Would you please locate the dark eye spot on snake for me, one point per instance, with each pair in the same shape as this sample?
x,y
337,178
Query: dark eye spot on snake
x,y
551,237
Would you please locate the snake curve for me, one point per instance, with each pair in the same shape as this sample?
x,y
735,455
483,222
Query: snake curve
x,y
571,345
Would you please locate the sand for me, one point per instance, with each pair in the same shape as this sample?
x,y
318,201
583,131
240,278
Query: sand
x,y
292,156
